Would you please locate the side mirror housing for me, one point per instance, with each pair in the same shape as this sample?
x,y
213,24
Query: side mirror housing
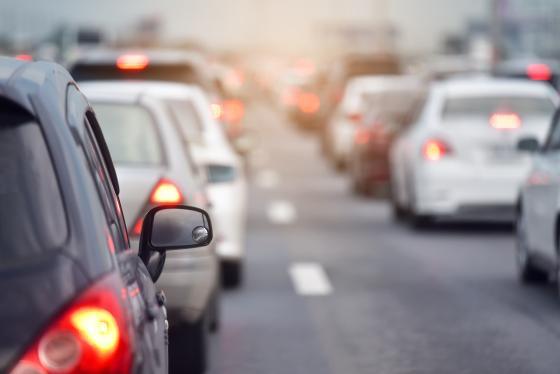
x,y
530,145
172,227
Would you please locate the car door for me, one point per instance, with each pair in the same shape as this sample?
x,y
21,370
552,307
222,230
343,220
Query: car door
x,y
147,307
542,195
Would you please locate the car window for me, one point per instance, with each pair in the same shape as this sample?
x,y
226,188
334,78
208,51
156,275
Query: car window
x,y
221,173
186,119
131,134
32,214
553,142
102,182
483,107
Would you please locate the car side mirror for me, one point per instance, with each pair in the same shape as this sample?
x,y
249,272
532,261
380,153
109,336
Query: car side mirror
x,y
530,145
172,227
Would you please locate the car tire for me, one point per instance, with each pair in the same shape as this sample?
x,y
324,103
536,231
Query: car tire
x,y
232,273
188,347
399,213
420,221
527,272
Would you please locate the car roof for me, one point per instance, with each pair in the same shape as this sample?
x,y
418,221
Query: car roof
x,y
45,82
484,85
383,82
133,90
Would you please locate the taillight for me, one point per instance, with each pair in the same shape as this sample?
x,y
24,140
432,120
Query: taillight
x,y
362,136
24,57
232,111
355,117
308,102
132,62
505,121
90,336
435,150
166,192
539,72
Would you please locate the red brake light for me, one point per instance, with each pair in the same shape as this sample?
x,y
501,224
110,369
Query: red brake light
x,y
435,150
308,102
233,111
505,121
354,117
362,136
166,192
539,72
132,62
90,336
24,57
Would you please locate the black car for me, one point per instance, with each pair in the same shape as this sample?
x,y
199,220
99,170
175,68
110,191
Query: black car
x,y
76,298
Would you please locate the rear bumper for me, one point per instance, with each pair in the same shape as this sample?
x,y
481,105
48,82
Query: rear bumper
x,y
459,191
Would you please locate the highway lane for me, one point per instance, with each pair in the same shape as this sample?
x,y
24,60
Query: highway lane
x,y
443,300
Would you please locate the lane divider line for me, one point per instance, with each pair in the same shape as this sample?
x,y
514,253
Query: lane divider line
x,y
310,279
281,212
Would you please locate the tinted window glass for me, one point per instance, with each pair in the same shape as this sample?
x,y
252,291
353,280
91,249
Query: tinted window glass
x,y
221,173
131,134
32,216
484,107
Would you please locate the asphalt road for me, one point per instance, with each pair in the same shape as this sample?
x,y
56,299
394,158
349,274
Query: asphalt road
x,y
392,300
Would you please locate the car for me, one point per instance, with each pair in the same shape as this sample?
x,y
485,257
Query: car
x,y
80,299
458,159
386,114
340,130
227,184
538,214
531,69
156,168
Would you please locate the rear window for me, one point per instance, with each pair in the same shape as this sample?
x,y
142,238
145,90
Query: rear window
x,y
182,73
484,107
130,133
221,174
32,215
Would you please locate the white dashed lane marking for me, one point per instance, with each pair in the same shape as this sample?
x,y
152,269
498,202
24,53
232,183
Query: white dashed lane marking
x,y
310,279
281,212
267,179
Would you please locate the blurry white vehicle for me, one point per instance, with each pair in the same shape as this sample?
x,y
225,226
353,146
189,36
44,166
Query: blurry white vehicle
x,y
227,185
459,157
538,218
342,126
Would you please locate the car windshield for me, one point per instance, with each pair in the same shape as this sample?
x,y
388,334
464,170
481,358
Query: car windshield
x,y
484,107
131,134
32,214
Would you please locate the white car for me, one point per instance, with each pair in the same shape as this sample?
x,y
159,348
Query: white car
x,y
458,158
538,218
342,126
227,184
155,167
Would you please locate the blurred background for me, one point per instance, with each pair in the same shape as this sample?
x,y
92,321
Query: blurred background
x,y
389,163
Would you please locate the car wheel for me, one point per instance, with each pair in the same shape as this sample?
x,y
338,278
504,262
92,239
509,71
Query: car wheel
x,y
188,347
399,213
527,272
232,273
420,221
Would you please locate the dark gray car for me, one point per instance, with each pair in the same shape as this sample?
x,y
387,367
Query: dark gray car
x,y
75,297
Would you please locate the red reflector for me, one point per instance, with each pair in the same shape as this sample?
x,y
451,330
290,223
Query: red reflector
x,y
539,72
505,121
435,150
24,57
233,111
362,137
132,62
166,192
308,102
89,337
